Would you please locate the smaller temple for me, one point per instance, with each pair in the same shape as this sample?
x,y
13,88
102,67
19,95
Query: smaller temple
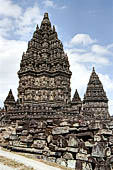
x,y
9,102
76,102
95,102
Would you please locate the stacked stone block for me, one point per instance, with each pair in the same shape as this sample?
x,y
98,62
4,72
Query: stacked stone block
x,y
79,144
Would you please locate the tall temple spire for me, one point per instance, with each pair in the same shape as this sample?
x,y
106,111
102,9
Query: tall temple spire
x,y
95,99
47,66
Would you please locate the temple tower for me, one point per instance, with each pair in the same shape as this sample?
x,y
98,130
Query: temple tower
x,y
9,102
76,103
95,102
44,75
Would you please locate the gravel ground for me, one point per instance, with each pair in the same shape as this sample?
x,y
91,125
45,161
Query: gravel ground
x,y
4,167
26,161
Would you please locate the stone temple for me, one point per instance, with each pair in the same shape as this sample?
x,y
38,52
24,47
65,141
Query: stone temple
x,y
45,120
44,79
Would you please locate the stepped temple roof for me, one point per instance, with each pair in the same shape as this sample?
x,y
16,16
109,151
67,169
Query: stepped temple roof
x,y
95,91
10,98
76,98
47,66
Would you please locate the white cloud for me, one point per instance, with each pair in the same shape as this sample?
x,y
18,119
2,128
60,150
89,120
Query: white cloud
x,y
5,26
101,50
28,20
10,56
80,77
48,3
110,46
108,87
30,16
86,57
52,4
83,50
9,9
63,7
107,82
83,39
17,20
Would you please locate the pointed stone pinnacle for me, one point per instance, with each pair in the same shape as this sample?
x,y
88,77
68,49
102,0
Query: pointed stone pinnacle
x,y
10,91
10,97
76,97
37,27
45,15
46,22
95,91
54,29
93,69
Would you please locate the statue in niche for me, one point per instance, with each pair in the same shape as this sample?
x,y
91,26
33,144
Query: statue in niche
x,y
51,97
40,67
58,55
29,44
44,55
58,66
45,44
54,68
55,44
52,45
45,36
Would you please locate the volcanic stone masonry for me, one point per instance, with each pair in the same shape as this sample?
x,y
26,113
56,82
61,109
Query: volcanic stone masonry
x,y
45,121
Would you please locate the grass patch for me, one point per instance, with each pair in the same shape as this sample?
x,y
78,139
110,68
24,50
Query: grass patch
x,y
13,164
33,157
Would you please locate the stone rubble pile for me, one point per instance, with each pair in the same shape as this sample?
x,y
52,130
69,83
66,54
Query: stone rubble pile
x,y
78,144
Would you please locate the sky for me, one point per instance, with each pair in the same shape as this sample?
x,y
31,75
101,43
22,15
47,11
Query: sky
x,y
85,28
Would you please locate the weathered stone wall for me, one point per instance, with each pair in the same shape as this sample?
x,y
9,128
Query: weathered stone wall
x,y
75,143
45,89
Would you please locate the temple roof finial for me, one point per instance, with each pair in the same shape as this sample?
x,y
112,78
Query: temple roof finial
x,y
54,29
93,69
37,27
46,22
45,15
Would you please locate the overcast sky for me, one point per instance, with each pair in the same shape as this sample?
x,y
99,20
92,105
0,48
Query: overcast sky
x,y
84,26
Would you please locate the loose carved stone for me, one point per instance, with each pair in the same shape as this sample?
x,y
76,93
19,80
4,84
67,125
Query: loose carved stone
x,y
39,144
68,156
71,164
61,161
60,130
73,141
